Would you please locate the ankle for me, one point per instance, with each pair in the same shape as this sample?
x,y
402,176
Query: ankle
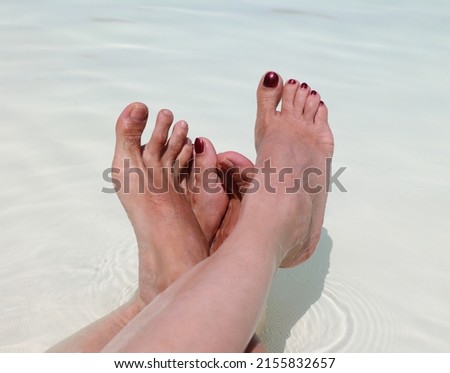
x,y
251,240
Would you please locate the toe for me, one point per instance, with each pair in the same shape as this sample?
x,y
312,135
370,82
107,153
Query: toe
x,y
237,172
311,106
269,93
208,199
182,163
129,128
289,90
155,147
185,154
205,165
322,114
233,158
176,143
301,96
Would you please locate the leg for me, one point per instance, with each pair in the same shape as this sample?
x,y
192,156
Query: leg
x,y
157,270
158,267
220,298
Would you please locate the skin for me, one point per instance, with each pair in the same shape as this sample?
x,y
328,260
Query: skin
x,y
195,215
234,282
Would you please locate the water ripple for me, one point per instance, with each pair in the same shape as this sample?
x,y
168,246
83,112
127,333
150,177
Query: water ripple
x,y
346,319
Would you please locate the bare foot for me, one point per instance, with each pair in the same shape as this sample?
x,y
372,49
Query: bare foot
x,y
175,214
165,217
297,141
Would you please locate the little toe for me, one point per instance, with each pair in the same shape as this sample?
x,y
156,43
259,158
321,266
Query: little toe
x,y
321,114
269,93
301,96
289,90
129,127
311,106
156,145
176,143
181,165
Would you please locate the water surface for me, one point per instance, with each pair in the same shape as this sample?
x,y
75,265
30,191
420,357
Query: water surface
x,y
380,278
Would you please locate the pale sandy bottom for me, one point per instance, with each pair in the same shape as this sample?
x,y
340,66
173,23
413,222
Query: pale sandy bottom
x,y
380,278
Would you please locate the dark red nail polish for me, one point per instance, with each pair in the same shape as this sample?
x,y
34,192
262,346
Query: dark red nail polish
x,y
313,92
199,146
321,103
304,85
270,80
292,81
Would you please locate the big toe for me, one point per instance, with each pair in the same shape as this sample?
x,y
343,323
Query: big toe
x,y
129,127
208,199
204,173
269,93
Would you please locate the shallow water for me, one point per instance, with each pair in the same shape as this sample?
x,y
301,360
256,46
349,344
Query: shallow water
x,y
379,280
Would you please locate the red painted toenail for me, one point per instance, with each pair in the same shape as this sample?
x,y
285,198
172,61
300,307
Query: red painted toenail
x,y
199,146
270,80
292,81
321,103
304,85
313,92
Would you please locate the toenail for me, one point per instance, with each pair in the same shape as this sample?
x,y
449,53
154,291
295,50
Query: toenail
x,y
199,146
139,113
321,103
270,80
292,81
182,124
304,85
313,92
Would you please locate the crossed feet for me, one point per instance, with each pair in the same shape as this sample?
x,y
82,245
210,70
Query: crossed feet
x,y
181,226
173,196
